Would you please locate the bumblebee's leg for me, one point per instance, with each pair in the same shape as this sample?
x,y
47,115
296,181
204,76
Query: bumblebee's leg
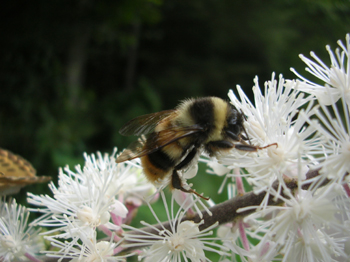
x,y
251,148
187,159
213,146
176,180
177,184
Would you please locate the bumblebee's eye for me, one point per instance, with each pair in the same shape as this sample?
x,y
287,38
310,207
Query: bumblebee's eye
x,y
235,129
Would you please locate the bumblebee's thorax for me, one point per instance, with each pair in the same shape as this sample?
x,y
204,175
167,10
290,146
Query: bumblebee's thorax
x,y
208,113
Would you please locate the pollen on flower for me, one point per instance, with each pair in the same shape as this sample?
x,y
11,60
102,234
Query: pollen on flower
x,y
88,216
183,240
7,241
176,243
300,211
103,247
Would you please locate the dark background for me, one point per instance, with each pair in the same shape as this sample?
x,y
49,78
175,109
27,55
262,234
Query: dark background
x,y
73,72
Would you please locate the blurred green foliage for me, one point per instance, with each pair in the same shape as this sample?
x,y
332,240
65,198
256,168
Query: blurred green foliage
x,y
73,72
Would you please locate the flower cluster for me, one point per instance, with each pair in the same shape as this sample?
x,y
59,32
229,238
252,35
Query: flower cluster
x,y
178,240
17,240
304,215
297,207
102,196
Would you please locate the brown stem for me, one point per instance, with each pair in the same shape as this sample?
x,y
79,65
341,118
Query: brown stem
x,y
227,211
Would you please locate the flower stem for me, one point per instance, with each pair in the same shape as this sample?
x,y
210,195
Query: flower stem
x,y
347,189
32,258
244,238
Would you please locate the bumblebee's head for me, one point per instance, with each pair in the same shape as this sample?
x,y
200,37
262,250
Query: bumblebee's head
x,y
234,127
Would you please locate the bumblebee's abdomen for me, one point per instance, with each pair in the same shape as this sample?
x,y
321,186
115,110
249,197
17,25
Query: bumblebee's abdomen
x,y
161,160
157,165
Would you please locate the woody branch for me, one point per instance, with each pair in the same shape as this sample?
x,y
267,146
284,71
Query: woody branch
x,y
228,211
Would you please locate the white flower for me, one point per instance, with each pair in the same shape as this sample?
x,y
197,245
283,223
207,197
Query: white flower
x,y
84,198
87,198
317,250
333,126
300,227
17,240
87,249
131,181
182,241
273,120
336,77
333,155
231,239
264,252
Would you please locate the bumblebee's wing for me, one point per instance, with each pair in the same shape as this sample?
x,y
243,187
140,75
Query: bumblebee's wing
x,y
144,124
165,137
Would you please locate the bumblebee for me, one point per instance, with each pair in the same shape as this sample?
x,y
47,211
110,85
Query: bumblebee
x,y
172,140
